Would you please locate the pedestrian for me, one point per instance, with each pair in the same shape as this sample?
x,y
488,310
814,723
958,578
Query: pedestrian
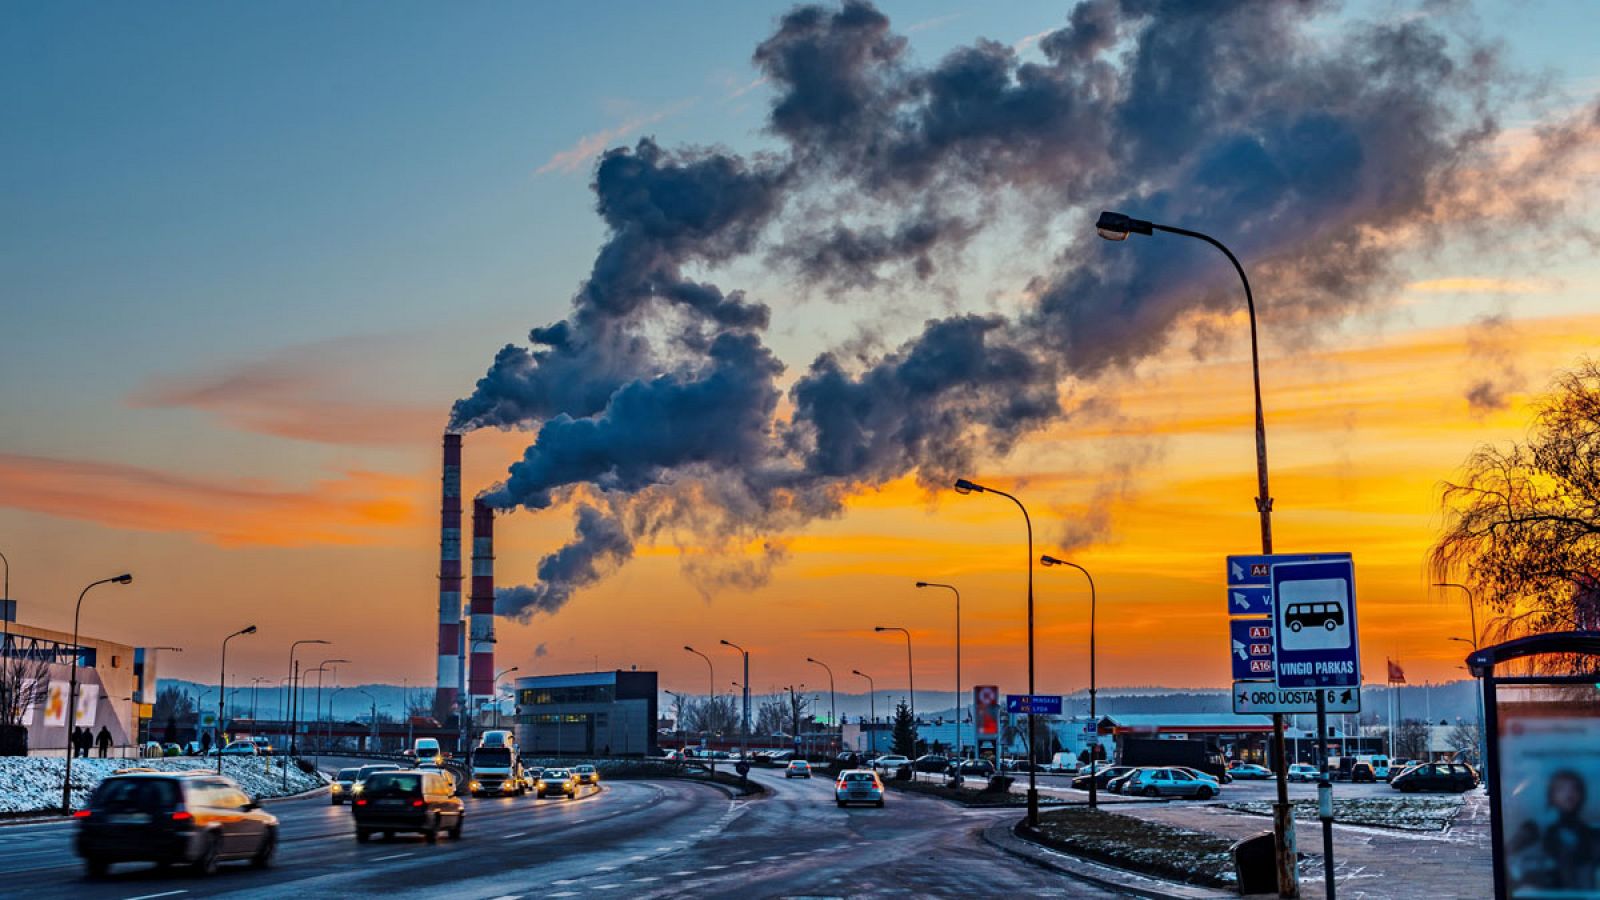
x,y
205,743
103,741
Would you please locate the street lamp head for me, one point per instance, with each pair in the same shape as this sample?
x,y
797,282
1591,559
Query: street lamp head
x,y
809,659
725,643
922,584
688,648
1047,560
964,486
1114,226
248,630
857,672
124,578
879,628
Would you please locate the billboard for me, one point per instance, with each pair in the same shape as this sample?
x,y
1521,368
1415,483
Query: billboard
x,y
1550,791
986,711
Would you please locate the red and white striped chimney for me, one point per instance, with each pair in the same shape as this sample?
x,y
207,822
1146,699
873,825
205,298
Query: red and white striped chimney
x,y
450,581
481,630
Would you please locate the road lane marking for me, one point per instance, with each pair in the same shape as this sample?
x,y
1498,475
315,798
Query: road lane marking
x,y
507,837
563,894
647,878
680,873
745,862
507,897
606,887
714,868
393,856
162,894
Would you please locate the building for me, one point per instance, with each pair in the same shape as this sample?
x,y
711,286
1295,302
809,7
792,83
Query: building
x,y
115,684
587,714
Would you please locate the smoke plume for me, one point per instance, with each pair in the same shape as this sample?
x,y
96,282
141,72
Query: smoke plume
x,y
1317,149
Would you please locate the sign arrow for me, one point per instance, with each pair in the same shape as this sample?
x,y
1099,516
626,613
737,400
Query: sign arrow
x,y
1240,649
1238,572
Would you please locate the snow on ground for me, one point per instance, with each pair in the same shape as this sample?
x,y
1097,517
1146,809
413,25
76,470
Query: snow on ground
x,y
30,784
1407,813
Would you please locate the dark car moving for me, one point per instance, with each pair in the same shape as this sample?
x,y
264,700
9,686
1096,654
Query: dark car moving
x,y
197,820
408,800
1452,777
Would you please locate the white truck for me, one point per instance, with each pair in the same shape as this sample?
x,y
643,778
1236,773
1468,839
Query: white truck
x,y
496,768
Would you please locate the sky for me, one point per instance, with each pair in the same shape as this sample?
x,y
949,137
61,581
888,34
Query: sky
x,y
253,255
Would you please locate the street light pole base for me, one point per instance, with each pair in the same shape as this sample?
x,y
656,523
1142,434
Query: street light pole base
x,y
1033,807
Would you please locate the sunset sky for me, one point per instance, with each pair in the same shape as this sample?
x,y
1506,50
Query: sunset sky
x,y
251,259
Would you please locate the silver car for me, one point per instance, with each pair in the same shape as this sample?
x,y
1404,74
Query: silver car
x,y
1169,783
858,786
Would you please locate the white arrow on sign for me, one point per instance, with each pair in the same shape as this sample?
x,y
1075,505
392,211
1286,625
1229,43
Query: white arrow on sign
x,y
1241,649
1238,571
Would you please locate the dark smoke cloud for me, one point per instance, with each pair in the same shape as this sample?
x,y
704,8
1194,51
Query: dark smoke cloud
x,y
542,650
1496,378
1315,154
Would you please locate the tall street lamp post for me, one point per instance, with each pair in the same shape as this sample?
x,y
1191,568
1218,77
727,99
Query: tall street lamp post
x,y
711,698
1115,226
1094,748
963,486
744,720
503,673
291,742
222,693
72,685
872,710
833,708
911,681
952,589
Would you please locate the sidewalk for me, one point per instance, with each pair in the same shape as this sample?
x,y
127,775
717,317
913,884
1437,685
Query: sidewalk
x,y
1369,862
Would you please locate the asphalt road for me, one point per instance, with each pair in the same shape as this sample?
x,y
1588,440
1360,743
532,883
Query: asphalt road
x,y
629,839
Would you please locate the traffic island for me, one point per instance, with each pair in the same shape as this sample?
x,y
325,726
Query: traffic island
x,y
983,798
1409,813
1148,848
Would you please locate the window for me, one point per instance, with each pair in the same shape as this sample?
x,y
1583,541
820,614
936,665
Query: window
x,y
582,693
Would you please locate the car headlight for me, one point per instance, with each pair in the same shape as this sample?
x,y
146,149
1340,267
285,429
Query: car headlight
x,y
474,786
356,789
336,788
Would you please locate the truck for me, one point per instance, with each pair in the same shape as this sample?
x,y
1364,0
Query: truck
x,y
496,768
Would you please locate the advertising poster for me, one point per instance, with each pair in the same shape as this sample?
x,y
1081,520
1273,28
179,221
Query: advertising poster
x,y
88,703
1550,795
986,711
55,705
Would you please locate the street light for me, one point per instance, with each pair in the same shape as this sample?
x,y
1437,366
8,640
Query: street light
x,y
963,486
911,678
951,588
711,698
292,704
1114,226
222,690
1047,561
496,689
744,725
72,682
872,708
319,670
833,708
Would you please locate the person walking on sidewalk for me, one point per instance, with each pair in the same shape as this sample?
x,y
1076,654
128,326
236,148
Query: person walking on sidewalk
x,y
103,741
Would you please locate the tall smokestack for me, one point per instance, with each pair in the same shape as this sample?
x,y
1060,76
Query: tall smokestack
x,y
450,581
481,649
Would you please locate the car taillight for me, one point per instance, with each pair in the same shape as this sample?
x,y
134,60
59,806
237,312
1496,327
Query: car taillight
x,y
81,814
183,815
416,803
362,802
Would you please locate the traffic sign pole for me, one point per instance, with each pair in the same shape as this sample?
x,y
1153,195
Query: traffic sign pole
x,y
1325,794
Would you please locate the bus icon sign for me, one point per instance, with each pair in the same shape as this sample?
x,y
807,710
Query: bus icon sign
x,y
1314,618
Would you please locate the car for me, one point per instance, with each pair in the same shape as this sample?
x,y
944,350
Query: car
x,y
1449,777
1168,782
556,781
858,786
1363,773
1117,783
890,763
241,748
931,762
1303,772
1249,771
1216,783
408,800
1023,765
1102,777
151,748
263,743
171,750
343,785
979,767
1396,766
798,768
586,774
847,759
427,750
195,819
365,772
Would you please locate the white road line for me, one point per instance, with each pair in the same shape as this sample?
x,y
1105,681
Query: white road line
x,y
662,849
507,897
393,856
605,868
162,894
680,873
565,881
637,858
745,862
606,887
647,878
507,837
714,868
563,894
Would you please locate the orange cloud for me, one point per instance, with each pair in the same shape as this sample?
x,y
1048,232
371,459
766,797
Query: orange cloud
x,y
356,508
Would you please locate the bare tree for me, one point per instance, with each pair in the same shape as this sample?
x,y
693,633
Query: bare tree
x,y
1466,737
24,683
1411,739
1522,522
772,715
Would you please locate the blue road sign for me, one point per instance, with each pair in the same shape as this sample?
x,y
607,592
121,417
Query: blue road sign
x,y
1034,704
1251,600
1250,648
1314,617
1257,568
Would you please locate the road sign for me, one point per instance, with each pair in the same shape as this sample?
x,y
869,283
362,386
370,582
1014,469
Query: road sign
x,y
1256,568
1314,619
1250,600
1250,648
1261,697
1034,704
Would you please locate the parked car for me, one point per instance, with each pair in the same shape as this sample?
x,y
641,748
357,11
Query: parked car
x,y
343,785
152,748
263,743
890,763
556,781
1216,783
847,760
1451,777
1363,773
167,818
1118,783
171,750
1396,766
241,748
1102,777
408,800
979,767
931,762
1249,771
1153,782
1303,772
858,786
1065,763
586,774
798,768
1022,765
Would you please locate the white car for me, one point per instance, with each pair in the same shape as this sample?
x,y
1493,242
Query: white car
x,y
1303,772
858,786
241,748
798,768
890,763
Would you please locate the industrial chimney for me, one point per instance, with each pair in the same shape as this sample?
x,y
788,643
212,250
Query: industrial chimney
x,y
450,582
481,629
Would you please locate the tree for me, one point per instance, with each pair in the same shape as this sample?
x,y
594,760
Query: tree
x,y
1466,737
904,737
772,715
1411,739
1522,522
176,709
24,684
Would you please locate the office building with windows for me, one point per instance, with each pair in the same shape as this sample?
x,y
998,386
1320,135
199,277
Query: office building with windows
x,y
587,714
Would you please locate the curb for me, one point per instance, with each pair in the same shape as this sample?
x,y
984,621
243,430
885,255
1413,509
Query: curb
x,y
1002,837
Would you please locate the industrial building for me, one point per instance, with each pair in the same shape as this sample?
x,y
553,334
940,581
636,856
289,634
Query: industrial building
x,y
591,713
116,682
